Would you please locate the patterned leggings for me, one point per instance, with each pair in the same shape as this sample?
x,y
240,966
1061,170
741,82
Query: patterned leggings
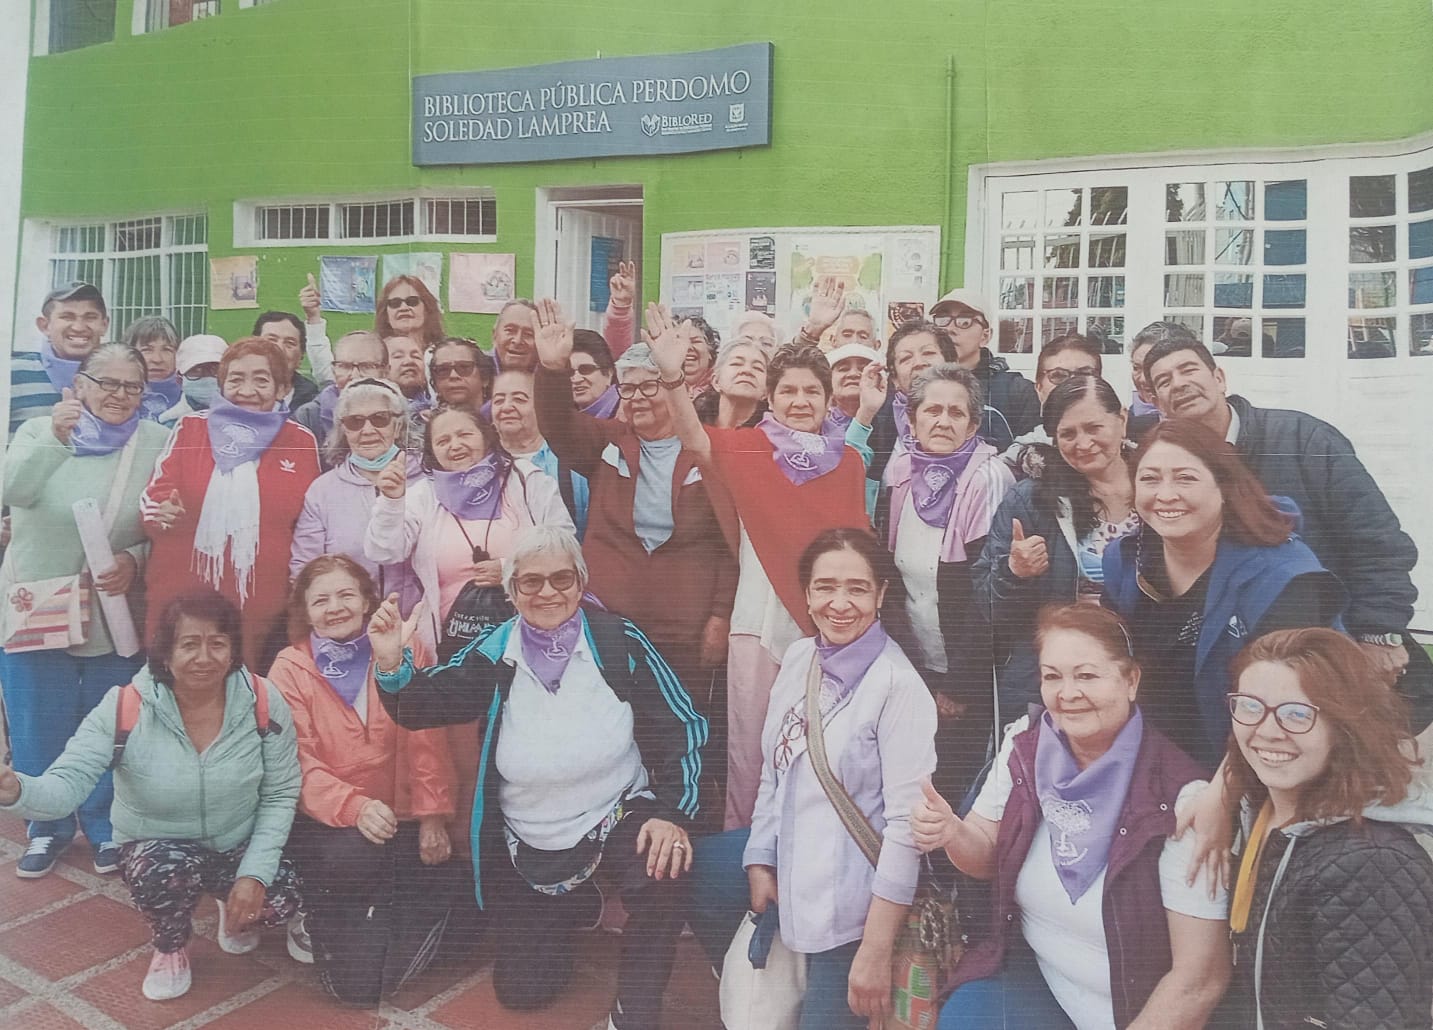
x,y
166,878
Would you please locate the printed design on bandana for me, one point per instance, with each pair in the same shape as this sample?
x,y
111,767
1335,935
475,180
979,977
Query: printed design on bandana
x,y
237,438
936,477
480,479
811,444
1069,817
333,653
153,405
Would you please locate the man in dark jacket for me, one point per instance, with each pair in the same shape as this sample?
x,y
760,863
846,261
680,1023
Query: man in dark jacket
x,y
1347,521
1012,407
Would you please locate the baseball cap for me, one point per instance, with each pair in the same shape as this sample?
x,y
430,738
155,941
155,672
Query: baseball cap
x,y
203,349
971,299
75,290
851,350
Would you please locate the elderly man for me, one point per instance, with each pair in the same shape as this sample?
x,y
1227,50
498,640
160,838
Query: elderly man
x,y
356,355
73,322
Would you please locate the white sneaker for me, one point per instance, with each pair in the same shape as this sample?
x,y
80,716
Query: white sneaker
x,y
300,944
235,943
168,976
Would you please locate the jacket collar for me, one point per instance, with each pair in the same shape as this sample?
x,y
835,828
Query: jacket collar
x,y
239,688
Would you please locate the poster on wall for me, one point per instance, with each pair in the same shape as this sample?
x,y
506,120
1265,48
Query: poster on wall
x,y
233,283
480,283
899,312
346,284
606,253
724,299
688,258
761,292
426,267
763,252
856,261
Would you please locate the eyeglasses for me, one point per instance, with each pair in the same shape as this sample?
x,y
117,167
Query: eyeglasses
x,y
461,369
959,321
1060,375
586,369
129,387
394,303
532,583
647,389
378,419
1292,716
367,368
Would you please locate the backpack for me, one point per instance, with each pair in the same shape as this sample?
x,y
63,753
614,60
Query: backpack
x,y
127,707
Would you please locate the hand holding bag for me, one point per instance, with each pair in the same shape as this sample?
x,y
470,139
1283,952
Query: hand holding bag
x,y
762,981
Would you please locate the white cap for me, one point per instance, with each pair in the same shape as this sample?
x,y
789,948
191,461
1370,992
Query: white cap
x,y
851,350
971,299
203,349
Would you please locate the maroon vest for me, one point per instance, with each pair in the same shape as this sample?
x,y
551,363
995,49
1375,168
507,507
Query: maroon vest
x,y
1136,928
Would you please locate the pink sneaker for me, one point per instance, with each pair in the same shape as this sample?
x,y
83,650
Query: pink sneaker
x,y
235,943
168,975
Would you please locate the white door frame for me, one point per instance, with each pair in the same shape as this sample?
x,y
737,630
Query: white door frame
x,y
550,199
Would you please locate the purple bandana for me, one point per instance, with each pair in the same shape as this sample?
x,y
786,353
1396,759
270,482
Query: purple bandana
x,y
837,421
843,665
476,493
547,651
604,406
1082,806
62,371
803,456
934,479
327,403
159,396
900,408
344,663
419,402
237,435
93,435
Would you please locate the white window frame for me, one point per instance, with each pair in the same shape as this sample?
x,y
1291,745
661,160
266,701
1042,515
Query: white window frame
x,y
245,211
139,17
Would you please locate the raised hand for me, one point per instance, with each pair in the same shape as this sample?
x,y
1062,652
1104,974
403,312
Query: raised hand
x,y
873,392
310,301
664,336
623,285
66,415
552,335
1028,555
392,481
828,303
389,633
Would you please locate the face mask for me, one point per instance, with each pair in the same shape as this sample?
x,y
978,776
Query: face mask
x,y
201,393
375,464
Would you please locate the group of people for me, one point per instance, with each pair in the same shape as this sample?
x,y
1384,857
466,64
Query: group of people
x,y
451,639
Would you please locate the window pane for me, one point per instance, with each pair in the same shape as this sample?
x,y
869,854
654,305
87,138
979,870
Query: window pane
x,y
1018,210
1370,195
1062,251
1371,338
1053,327
79,23
1063,207
1234,336
1017,294
1420,190
1368,244
1233,246
189,291
1284,291
79,239
69,270
1184,202
135,289
1283,338
1285,246
1106,291
1232,290
1109,205
1420,327
142,234
1420,240
1194,323
1372,289
1061,292
1108,331
1184,291
1015,336
1286,201
1184,248
1107,251
1420,285
1017,253
1234,201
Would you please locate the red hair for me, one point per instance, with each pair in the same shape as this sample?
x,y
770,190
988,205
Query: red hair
x,y
432,317
251,346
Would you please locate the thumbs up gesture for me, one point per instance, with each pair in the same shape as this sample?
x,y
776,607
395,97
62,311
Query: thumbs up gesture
x,y
66,415
310,301
933,821
1028,555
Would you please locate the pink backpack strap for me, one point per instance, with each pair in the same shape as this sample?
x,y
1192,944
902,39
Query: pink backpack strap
x,y
126,716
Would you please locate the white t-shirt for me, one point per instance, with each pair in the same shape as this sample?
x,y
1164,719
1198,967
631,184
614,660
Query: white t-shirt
x,y
1069,939
918,559
757,611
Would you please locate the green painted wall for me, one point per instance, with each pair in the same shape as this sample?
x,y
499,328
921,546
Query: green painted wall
x,y
310,97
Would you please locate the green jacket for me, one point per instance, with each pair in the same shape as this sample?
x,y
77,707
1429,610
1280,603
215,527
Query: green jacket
x,y
243,788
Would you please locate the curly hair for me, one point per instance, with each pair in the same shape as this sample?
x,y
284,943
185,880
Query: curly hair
x,y
299,625
793,356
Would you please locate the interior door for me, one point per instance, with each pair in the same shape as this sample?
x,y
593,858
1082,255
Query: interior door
x,y
590,242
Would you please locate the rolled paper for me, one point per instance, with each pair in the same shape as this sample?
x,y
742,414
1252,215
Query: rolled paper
x,y
99,556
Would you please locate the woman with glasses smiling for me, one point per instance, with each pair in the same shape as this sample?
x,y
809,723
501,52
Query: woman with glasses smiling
x,y
1332,912
357,355
406,307
94,446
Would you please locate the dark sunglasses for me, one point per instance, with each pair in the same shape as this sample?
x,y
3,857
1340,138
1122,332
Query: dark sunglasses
x,y
131,388
647,389
586,369
462,369
1292,716
394,303
378,419
531,583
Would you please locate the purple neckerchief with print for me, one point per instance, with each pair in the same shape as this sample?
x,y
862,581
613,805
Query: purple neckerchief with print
x,y
934,478
837,421
93,435
901,409
604,406
475,493
419,402
237,435
327,404
159,396
344,663
843,665
1082,806
803,456
547,651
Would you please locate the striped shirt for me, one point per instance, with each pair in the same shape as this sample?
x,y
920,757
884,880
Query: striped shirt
x,y
31,392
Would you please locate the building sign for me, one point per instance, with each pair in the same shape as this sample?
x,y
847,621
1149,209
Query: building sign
x,y
664,104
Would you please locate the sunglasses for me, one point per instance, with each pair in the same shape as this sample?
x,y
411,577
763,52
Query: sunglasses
x,y
586,369
367,368
130,388
462,369
1061,375
531,583
959,321
394,303
377,419
1292,716
629,390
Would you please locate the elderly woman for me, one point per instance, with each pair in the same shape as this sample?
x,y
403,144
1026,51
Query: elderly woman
x,y
1332,911
594,377
1048,538
94,446
371,431
206,775
936,515
914,347
406,308
738,397
1093,923
157,341
877,721
591,753
699,358
371,833
356,355
1215,564
222,504
514,416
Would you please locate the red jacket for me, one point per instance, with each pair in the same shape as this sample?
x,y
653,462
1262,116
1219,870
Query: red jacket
x,y
285,471
345,763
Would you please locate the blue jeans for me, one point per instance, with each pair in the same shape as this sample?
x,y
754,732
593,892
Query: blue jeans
x,y
47,696
824,1007
1017,997
719,896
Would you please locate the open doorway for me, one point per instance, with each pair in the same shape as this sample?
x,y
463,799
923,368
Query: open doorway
x,y
582,233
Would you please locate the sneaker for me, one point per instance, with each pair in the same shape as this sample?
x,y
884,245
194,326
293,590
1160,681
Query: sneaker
x,y
300,944
235,943
107,858
168,976
40,857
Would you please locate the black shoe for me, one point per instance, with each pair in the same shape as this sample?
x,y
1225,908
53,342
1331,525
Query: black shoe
x,y
107,858
40,857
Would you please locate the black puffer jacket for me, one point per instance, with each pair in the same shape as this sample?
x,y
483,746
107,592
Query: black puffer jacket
x,y
1347,940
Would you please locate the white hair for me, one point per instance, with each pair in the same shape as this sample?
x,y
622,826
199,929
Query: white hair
x,y
544,539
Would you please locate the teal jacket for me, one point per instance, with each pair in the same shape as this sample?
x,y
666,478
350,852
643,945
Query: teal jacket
x,y
242,789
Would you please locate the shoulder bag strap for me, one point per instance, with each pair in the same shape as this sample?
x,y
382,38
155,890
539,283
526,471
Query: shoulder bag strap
x,y
116,488
855,821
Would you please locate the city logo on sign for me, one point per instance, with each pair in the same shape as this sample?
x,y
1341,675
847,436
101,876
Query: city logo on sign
x,y
649,124
736,118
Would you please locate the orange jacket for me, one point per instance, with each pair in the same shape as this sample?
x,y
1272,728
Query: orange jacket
x,y
346,763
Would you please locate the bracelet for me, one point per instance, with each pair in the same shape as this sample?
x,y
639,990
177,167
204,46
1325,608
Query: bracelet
x,y
1382,639
672,384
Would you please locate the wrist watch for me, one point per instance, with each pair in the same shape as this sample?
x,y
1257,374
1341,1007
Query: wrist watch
x,y
671,384
1382,639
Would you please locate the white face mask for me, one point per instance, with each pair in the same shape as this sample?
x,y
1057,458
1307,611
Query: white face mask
x,y
201,393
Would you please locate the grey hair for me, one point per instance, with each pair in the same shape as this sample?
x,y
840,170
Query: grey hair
x,y
731,345
336,446
151,327
544,538
750,317
639,355
367,335
115,352
948,373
